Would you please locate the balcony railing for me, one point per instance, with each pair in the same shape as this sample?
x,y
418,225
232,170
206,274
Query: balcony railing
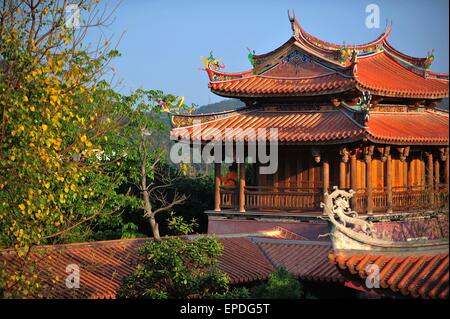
x,y
282,198
404,198
308,199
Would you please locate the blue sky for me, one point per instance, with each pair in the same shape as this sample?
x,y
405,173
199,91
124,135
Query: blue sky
x,y
164,40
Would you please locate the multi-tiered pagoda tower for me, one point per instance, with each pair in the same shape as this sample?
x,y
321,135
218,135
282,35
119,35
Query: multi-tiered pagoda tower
x,y
359,117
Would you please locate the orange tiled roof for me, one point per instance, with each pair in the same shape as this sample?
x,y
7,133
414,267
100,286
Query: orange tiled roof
x,y
323,68
415,276
335,126
103,265
302,258
379,73
409,128
293,126
383,75
261,85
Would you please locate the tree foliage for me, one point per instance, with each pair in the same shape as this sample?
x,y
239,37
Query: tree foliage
x,y
281,285
56,118
177,268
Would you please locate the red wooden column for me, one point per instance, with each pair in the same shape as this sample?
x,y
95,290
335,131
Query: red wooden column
x,y
217,178
326,173
430,176
353,179
437,176
389,182
369,189
242,187
447,166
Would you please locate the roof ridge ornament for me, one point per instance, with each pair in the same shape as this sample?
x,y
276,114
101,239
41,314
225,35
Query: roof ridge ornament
x,y
295,26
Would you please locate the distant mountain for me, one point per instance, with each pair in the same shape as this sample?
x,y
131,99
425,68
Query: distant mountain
x,y
225,105
232,104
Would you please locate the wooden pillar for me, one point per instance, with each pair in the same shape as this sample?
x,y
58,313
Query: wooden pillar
x,y
447,166
430,170
326,174
241,187
410,177
369,188
353,178
217,180
342,172
389,182
437,176
430,176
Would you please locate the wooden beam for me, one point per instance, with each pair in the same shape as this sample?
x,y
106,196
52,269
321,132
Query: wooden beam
x,y
389,182
217,178
353,178
242,187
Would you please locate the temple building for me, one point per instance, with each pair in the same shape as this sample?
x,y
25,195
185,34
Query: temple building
x,y
357,207
359,117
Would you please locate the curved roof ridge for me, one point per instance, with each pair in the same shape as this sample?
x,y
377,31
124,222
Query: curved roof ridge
x,y
387,45
382,37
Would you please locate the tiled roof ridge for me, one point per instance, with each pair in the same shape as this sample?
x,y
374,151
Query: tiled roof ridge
x,y
245,110
423,276
125,241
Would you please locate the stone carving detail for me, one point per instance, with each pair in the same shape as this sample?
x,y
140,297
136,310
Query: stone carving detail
x,y
351,232
337,208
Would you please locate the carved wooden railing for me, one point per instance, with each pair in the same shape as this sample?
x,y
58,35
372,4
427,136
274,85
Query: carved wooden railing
x,y
282,198
403,198
308,199
228,197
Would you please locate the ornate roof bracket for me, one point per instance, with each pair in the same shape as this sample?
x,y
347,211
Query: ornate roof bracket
x,y
443,153
345,154
316,154
404,152
368,152
385,152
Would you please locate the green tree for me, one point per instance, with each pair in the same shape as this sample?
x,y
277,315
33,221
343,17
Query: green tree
x,y
57,177
177,268
281,285
146,157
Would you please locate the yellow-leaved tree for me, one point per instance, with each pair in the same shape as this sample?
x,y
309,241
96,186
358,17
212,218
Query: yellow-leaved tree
x,y
56,116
